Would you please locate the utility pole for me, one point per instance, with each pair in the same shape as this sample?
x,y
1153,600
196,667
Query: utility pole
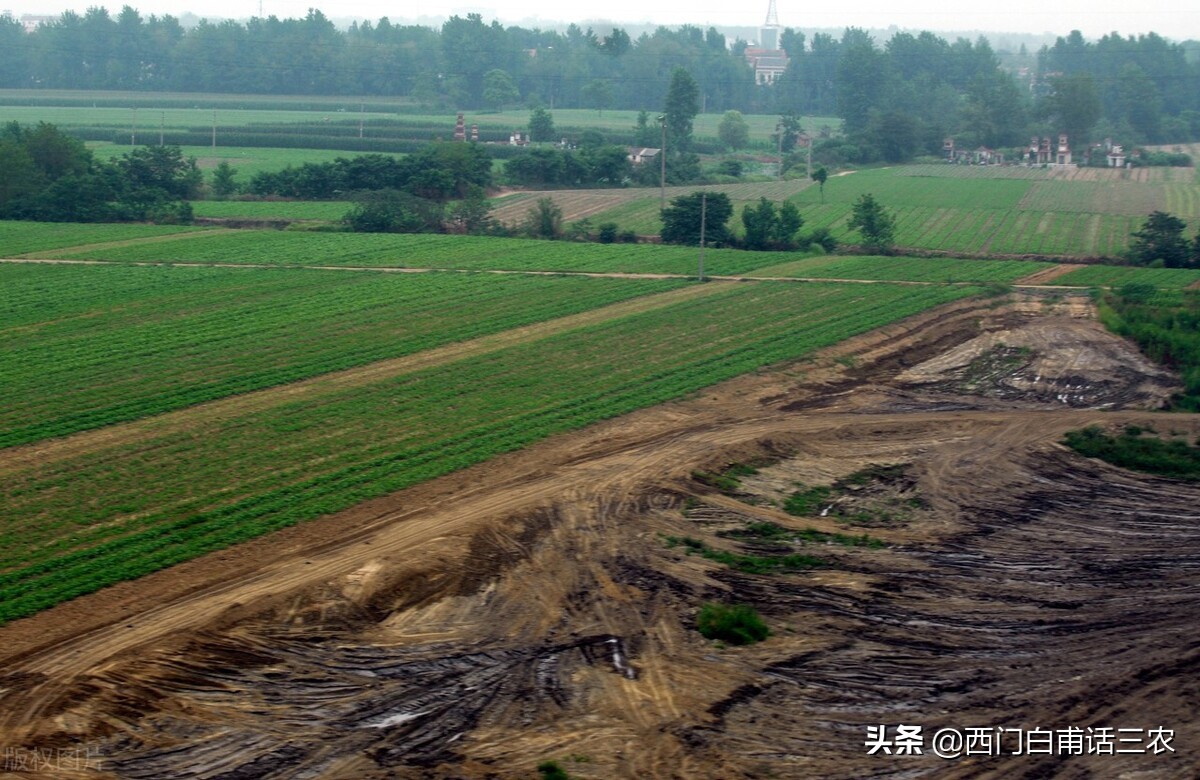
x,y
662,161
133,129
703,216
779,150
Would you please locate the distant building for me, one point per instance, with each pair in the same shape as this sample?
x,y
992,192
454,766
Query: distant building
x,y
983,155
30,22
1043,151
642,156
768,64
768,60
517,138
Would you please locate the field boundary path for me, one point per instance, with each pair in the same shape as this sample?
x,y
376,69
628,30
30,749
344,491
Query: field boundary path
x,y
746,277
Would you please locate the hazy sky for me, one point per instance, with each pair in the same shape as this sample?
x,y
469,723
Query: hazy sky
x,y
1176,19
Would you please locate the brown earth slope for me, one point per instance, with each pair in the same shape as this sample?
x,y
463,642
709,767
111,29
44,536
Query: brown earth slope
x,y
542,606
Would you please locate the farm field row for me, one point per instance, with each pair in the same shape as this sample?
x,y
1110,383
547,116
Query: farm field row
x,y
331,210
617,205
80,523
245,160
393,250
120,342
904,269
19,238
999,231
948,230
1142,175
968,209
182,110
1115,276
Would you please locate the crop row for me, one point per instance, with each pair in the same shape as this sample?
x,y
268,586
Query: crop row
x,y
18,238
1115,276
1111,197
429,251
76,525
1000,231
905,269
1048,173
895,190
240,209
118,343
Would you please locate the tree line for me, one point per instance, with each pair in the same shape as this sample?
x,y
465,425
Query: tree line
x,y
49,176
896,98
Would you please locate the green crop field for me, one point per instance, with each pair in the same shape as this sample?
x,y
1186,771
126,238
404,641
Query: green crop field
x,y
1115,276
430,251
97,516
904,269
637,209
19,238
978,210
330,211
186,335
246,161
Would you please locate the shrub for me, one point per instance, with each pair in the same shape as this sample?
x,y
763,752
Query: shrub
x,y
550,770
606,233
736,624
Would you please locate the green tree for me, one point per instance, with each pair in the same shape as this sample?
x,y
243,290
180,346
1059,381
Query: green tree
x,y
681,106
541,125
761,224
223,183
895,135
820,176
598,94
544,219
681,219
471,215
788,225
1161,239
733,130
787,132
1074,107
394,211
644,134
499,89
874,223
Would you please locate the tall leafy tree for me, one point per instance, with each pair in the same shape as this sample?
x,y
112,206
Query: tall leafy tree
x,y
733,130
681,106
1074,106
499,89
682,218
873,222
1160,239
541,125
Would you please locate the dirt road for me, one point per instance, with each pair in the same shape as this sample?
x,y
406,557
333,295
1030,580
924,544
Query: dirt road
x,y
536,607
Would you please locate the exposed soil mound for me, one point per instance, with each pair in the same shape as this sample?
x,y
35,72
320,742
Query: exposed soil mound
x,y
543,606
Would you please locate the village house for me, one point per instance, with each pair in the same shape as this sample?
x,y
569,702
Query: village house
x,y
1042,151
643,156
982,155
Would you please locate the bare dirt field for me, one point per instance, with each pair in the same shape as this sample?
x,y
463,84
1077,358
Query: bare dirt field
x,y
542,605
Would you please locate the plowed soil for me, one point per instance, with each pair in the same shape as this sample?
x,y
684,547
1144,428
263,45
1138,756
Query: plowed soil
x,y
542,606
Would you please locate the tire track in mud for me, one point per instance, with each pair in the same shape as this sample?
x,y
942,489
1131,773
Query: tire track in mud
x,y
1019,600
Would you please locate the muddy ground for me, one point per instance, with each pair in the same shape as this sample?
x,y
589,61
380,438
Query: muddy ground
x,y
972,572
